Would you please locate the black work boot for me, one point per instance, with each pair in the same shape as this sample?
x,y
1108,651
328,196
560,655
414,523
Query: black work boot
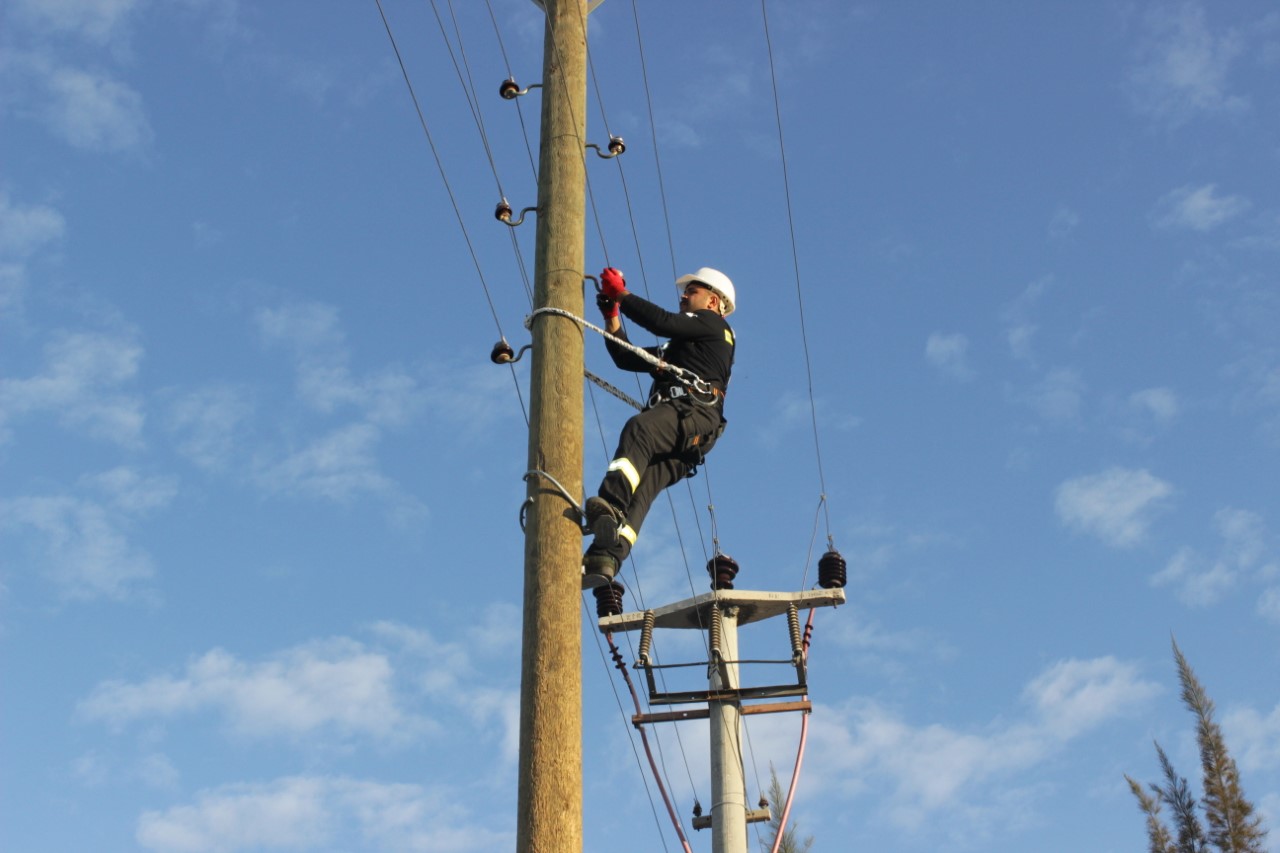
x,y
604,519
598,569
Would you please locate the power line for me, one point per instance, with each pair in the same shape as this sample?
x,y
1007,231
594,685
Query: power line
x,y
795,259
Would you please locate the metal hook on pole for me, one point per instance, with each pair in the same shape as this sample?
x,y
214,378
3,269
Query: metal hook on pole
x,y
502,353
502,213
510,90
616,147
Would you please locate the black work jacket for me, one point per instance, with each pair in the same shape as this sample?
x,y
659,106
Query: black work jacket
x,y
699,341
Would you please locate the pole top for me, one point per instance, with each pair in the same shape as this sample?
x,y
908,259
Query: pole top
x,y
591,5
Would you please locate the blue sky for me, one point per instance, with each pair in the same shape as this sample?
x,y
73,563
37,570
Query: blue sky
x,y
259,555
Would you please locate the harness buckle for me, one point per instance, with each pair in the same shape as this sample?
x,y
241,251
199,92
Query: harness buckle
x,y
674,392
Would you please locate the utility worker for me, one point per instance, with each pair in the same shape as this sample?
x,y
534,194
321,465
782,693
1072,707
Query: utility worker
x,y
668,440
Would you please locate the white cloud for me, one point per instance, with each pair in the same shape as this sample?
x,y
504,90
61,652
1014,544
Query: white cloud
x,y
937,768
310,812
1181,67
1197,208
1059,396
1074,696
1199,581
339,467
95,112
1269,604
1115,505
209,424
1159,404
949,354
131,493
95,20
338,686
311,331
79,382
25,229
85,550
1020,328
1254,738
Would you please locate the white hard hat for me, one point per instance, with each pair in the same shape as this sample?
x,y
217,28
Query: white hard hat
x,y
717,282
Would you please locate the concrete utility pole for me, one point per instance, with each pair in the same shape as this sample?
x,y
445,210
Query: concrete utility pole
x,y
728,788
549,816
721,613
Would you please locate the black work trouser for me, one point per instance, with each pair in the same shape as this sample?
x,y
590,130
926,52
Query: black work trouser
x,y
658,447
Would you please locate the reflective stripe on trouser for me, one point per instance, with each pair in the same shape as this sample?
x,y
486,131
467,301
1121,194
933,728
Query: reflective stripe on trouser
x,y
624,467
649,446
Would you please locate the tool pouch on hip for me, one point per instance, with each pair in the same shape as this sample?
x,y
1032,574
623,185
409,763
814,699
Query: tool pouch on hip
x,y
700,428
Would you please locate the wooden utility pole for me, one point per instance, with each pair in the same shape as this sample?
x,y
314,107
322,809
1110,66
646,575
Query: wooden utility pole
x,y
549,816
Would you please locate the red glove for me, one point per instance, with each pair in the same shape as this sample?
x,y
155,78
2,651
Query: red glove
x,y
608,307
612,283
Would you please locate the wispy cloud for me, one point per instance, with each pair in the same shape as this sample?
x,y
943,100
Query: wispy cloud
x,y
1116,505
396,686
1158,404
314,812
795,412
928,768
1181,66
312,333
1018,320
209,424
81,383
1201,581
98,21
1058,397
94,111
338,686
1197,208
23,229
1254,737
950,355
83,543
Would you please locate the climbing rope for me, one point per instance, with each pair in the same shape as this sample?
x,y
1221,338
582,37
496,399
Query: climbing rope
x,y
685,377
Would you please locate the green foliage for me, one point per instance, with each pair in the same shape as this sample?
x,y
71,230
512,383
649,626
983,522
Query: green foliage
x,y
791,842
1232,825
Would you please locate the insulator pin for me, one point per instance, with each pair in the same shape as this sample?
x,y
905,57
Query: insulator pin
x,y
832,570
723,569
609,599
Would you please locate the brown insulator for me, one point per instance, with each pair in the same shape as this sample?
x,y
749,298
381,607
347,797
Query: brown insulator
x,y
723,569
502,353
609,599
832,570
